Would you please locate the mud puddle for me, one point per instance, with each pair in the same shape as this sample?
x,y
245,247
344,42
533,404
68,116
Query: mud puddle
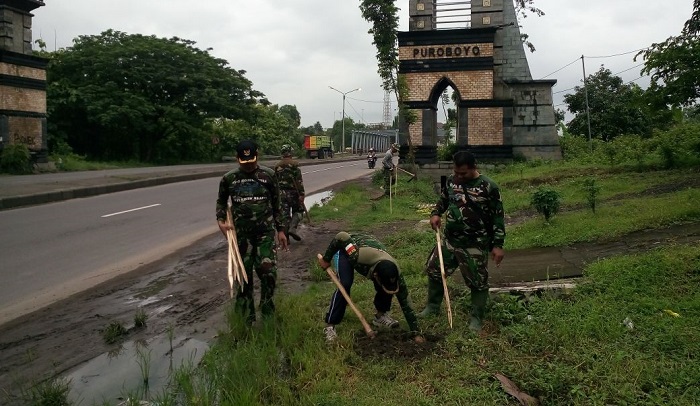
x,y
135,370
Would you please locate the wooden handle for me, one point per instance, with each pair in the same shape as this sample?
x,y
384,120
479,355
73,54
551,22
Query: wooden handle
x,y
444,278
342,290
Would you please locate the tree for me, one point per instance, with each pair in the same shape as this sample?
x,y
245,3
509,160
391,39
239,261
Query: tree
x,y
616,108
292,114
674,65
119,96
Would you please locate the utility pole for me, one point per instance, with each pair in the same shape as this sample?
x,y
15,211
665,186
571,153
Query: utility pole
x,y
342,147
588,111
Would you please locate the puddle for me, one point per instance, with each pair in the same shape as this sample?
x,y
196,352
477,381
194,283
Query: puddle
x,y
318,199
118,374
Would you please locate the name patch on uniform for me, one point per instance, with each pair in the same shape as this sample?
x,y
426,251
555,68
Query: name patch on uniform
x,y
350,249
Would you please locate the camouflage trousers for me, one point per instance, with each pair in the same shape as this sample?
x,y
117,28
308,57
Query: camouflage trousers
x,y
291,204
259,254
471,257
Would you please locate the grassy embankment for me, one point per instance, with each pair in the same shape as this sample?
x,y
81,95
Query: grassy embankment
x,y
573,350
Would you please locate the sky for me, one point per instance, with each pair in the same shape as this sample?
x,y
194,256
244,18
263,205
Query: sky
x,y
293,50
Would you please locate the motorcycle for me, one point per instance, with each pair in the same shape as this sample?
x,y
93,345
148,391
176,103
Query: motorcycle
x,y
371,160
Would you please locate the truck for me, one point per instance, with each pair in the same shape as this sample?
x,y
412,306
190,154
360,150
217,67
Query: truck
x,y
318,146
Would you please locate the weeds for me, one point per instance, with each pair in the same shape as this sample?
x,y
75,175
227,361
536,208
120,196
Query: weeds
x,y
140,318
113,332
546,201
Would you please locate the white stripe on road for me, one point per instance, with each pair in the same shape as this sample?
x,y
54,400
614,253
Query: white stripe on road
x,y
328,169
127,211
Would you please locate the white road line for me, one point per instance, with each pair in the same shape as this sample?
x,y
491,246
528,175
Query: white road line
x,y
127,211
327,169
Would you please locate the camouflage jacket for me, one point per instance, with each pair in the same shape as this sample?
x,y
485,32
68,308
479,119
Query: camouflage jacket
x,y
364,252
255,201
289,175
474,211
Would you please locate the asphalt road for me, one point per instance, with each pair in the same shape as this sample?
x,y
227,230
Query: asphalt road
x,y
49,252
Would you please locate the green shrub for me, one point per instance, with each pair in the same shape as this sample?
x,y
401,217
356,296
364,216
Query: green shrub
x,y
446,151
15,159
592,191
546,201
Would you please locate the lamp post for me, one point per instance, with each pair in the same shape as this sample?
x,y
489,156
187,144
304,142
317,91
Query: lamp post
x,y
343,93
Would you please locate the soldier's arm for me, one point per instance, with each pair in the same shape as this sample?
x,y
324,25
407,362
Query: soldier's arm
x,y
222,200
498,218
300,181
443,202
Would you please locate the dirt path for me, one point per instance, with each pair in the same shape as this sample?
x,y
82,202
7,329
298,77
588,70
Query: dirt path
x,y
187,291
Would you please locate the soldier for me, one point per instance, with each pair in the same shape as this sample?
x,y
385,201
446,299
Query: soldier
x,y
389,168
364,254
257,214
474,228
292,190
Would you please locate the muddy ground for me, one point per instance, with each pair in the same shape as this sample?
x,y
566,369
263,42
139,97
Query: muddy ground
x,y
187,291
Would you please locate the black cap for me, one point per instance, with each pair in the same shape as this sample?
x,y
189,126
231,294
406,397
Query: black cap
x,y
247,151
388,275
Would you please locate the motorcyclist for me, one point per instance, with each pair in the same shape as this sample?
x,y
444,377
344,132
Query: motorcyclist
x,y
371,158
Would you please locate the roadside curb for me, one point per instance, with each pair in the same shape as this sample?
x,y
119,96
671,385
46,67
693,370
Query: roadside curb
x,y
67,194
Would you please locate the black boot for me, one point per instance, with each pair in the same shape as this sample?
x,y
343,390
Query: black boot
x,y
479,299
293,224
435,294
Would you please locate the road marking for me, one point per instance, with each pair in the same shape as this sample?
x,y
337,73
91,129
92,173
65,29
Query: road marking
x,y
127,211
327,169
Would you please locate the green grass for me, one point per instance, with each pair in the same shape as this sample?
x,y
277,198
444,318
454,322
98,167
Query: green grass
x,y
572,350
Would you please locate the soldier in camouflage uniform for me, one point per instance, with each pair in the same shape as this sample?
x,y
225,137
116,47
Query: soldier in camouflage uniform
x,y
474,229
292,190
364,254
257,214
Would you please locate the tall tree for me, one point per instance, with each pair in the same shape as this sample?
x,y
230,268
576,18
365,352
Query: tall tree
x,y
616,108
120,96
674,65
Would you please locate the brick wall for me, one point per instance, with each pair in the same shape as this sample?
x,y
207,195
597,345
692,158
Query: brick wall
x,y
22,71
25,130
485,126
471,85
29,100
415,130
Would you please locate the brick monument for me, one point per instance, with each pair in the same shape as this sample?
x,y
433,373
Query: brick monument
x,y
501,110
22,80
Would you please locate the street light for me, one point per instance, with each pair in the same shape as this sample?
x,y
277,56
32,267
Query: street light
x,y
343,93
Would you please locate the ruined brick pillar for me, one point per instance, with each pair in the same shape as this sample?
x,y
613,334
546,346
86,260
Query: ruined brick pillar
x,y
22,80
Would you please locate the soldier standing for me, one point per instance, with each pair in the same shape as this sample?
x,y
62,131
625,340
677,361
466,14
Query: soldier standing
x,y
389,168
474,229
292,190
256,212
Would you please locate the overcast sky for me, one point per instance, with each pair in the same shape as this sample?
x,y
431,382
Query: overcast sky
x,y
293,50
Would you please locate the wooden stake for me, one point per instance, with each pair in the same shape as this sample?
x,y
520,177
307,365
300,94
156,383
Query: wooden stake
x,y
444,278
368,330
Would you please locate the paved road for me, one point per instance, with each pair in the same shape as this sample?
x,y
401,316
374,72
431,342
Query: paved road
x,y
51,251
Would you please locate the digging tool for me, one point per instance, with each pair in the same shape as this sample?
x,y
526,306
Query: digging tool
x,y
444,278
368,330
413,175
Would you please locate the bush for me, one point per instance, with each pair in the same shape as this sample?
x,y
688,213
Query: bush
x,y
546,201
446,151
16,159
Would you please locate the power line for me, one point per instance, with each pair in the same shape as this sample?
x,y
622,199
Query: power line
x,y
620,54
568,64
